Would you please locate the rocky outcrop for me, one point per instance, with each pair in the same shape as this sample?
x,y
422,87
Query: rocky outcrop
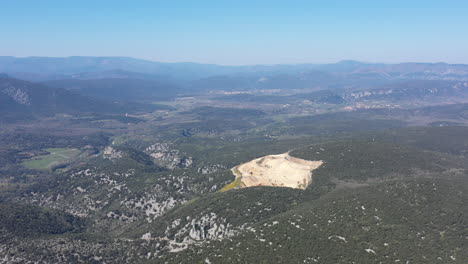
x,y
16,94
167,157
111,153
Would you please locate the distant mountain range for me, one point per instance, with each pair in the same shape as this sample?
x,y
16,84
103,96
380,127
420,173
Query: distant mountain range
x,y
113,85
47,68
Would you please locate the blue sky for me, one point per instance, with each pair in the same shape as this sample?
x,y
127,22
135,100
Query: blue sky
x,y
238,32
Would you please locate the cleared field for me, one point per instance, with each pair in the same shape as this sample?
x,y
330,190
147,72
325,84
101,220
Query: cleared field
x,y
280,170
56,156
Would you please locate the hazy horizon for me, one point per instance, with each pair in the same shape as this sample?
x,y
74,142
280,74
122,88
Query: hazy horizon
x,y
253,64
240,33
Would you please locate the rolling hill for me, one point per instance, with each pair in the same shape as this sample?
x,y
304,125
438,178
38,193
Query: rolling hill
x,y
122,89
22,99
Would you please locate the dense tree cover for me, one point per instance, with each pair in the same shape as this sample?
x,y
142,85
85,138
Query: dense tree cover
x,y
424,223
29,220
446,139
362,160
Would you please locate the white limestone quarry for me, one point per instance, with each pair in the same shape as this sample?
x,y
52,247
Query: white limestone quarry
x,y
280,170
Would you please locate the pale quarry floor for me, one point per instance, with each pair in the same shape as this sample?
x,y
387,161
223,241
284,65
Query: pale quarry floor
x,y
280,170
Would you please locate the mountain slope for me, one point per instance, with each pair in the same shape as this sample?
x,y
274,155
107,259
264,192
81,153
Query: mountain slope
x,y
79,64
127,89
21,99
235,214
29,220
424,223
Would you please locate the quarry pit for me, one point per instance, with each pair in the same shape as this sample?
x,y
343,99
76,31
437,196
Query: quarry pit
x,y
281,170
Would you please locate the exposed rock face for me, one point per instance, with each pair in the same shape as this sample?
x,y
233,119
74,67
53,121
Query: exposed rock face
x,y
357,95
182,233
211,169
16,94
152,205
411,90
111,153
208,228
198,230
165,156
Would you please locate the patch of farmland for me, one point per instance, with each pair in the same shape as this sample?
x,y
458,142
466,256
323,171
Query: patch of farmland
x,y
55,157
